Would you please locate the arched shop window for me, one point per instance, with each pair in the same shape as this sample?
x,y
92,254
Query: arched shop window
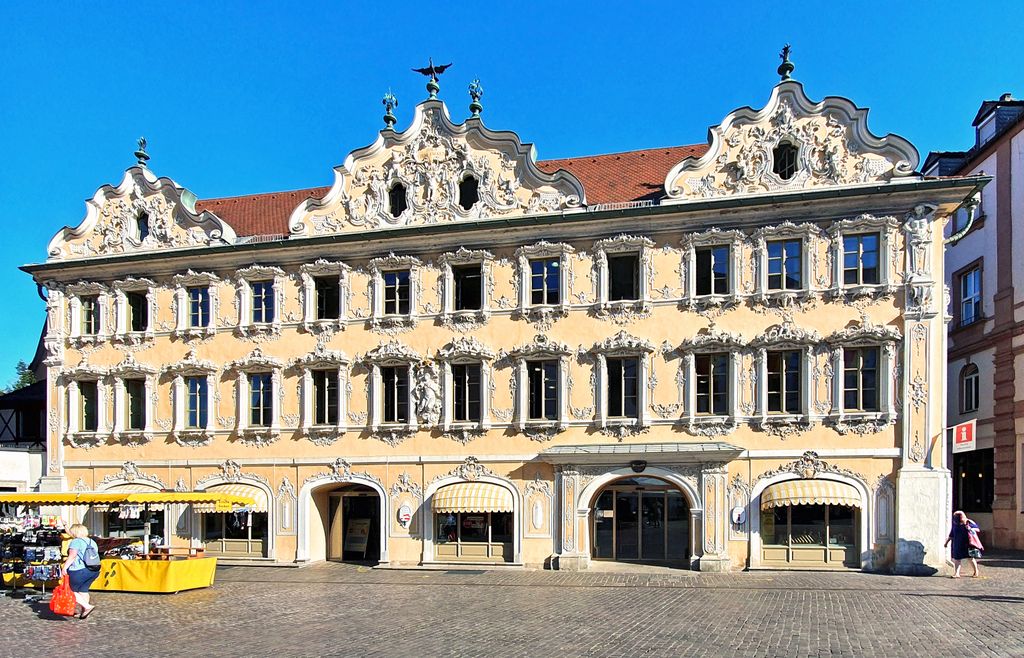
x,y
473,522
810,522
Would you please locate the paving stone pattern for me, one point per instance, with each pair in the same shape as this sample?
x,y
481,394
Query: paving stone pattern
x,y
343,610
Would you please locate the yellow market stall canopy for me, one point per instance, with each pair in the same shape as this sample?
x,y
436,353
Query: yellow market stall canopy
x,y
220,500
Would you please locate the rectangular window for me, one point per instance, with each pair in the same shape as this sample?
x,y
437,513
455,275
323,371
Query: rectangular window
x,y
861,265
90,315
970,390
195,406
396,292
712,384
785,265
328,298
395,381
468,288
262,301
325,397
860,378
138,316
623,277
261,396
784,376
970,296
466,390
198,307
545,281
712,277
543,388
623,387
89,405
135,404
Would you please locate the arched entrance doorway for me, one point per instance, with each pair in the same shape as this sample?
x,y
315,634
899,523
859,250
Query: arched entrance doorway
x,y
352,519
641,519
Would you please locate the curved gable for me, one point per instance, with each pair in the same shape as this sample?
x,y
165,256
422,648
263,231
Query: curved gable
x,y
831,143
429,160
111,220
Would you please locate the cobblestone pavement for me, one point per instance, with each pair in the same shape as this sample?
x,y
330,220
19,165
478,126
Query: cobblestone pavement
x,y
332,609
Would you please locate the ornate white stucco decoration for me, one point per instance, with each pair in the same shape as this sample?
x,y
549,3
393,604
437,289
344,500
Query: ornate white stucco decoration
x,y
832,142
341,471
391,352
256,361
623,343
471,469
787,333
320,357
808,467
426,394
230,471
130,473
542,346
465,347
712,339
864,332
112,220
430,160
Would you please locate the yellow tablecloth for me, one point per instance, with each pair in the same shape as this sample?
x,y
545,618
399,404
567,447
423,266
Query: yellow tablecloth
x,y
159,576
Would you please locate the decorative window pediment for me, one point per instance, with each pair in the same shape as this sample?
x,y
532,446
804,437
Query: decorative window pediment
x,y
394,281
864,332
477,311
431,161
786,334
324,314
465,347
793,144
191,365
269,310
190,309
164,211
541,347
392,351
623,343
256,361
713,339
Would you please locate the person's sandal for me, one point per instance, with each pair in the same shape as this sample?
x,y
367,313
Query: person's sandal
x,y
86,613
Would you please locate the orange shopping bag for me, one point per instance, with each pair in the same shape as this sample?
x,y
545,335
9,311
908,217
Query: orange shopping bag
x,y
63,601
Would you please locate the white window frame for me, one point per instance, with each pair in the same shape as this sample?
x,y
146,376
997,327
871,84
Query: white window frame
x,y
965,381
543,250
257,363
130,369
865,334
643,247
975,299
322,359
886,228
392,353
622,345
808,235
463,257
785,337
468,351
377,267
122,332
70,380
192,366
243,286
711,238
322,269
542,349
712,341
182,304
75,292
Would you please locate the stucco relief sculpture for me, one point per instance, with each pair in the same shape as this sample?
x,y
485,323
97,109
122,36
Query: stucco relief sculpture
x,y
419,176
828,143
427,394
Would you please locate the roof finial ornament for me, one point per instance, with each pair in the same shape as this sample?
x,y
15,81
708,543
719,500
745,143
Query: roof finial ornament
x,y
390,103
433,72
476,91
786,67
141,156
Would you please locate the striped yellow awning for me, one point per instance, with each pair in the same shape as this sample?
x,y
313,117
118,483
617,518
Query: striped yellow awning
x,y
809,492
255,499
473,497
65,498
132,488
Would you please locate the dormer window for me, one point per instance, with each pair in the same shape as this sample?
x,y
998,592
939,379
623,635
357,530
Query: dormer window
x,y
784,160
396,200
469,192
142,225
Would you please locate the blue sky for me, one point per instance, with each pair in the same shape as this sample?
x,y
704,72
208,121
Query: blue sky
x,y
240,98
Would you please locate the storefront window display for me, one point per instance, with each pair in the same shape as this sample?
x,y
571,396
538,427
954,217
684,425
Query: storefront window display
x,y
467,535
128,522
236,533
811,534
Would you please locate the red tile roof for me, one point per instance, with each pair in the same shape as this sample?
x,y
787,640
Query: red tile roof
x,y
629,176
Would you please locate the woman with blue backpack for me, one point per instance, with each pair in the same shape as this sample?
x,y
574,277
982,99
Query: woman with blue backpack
x,y
82,566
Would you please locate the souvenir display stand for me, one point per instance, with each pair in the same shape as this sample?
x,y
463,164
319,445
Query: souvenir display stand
x,y
31,550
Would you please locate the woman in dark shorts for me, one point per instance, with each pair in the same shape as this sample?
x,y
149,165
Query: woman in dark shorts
x,y
79,576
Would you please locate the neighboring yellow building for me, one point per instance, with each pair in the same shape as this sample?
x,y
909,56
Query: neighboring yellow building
x,y
718,356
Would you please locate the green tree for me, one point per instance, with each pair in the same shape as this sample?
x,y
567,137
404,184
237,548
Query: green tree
x,y
25,376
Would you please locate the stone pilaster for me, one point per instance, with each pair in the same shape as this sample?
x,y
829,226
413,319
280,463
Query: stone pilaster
x,y
714,521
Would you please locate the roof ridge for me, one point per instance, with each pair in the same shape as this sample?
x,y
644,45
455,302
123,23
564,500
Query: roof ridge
x,y
603,155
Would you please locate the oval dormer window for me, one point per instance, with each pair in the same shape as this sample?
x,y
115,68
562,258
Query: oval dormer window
x,y
142,225
396,200
469,192
784,160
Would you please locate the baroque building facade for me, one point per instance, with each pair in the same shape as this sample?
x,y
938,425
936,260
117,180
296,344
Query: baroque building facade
x,y
717,356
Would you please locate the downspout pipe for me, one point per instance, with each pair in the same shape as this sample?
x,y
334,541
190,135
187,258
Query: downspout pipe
x,y
971,205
